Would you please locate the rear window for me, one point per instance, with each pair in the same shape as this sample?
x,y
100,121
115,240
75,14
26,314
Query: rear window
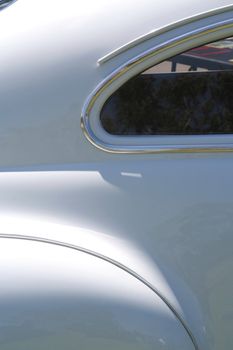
x,y
189,94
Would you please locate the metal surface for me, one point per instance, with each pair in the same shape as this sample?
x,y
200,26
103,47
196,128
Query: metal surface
x,y
157,32
137,149
5,3
167,216
55,297
116,263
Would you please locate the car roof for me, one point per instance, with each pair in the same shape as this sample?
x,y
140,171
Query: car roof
x,y
104,25
131,19
117,22
113,23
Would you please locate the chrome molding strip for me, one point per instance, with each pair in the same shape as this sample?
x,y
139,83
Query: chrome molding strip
x,y
6,3
113,262
103,86
160,31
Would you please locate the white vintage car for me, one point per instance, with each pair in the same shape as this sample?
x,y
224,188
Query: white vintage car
x,y
116,175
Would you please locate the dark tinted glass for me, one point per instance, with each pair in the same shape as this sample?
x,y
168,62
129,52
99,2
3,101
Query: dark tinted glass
x,y
189,94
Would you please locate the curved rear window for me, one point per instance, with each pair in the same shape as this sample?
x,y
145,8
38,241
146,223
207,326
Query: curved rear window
x,y
189,94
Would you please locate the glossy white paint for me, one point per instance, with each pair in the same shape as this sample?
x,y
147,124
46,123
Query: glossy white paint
x,y
55,297
49,54
166,217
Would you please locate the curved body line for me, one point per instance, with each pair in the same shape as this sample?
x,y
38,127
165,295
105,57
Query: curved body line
x,y
162,30
113,262
144,149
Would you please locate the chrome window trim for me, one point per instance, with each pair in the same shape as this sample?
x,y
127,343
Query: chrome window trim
x,y
122,70
6,3
159,31
113,262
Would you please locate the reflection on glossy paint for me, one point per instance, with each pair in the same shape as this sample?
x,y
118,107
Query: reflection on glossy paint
x,y
201,236
118,249
136,175
53,297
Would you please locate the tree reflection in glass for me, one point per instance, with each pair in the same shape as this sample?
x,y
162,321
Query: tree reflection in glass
x,y
195,98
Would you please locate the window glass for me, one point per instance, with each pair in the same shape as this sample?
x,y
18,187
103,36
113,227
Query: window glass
x,y
189,94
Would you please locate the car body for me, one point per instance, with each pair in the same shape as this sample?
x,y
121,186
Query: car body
x,y
108,241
